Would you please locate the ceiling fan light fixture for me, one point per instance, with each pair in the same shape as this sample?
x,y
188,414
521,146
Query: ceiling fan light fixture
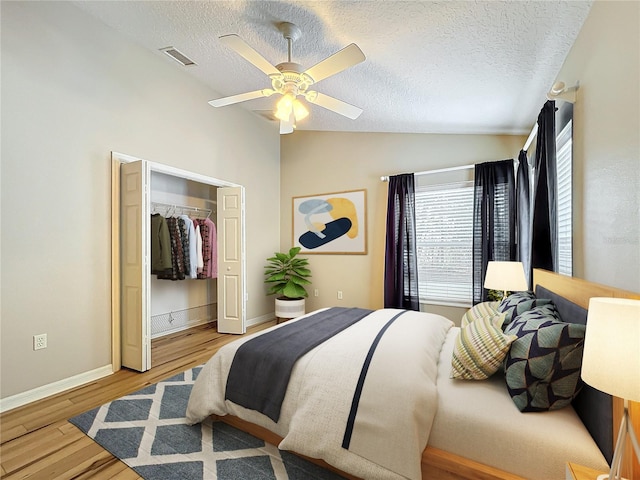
x,y
284,107
289,105
299,110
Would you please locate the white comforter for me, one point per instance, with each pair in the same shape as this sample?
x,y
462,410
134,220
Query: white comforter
x,y
397,406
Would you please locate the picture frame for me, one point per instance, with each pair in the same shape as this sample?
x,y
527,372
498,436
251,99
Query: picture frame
x,y
331,223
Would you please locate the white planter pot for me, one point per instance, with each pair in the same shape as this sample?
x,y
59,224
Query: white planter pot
x,y
286,308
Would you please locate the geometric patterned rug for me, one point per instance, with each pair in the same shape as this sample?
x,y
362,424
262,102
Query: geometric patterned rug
x,y
147,431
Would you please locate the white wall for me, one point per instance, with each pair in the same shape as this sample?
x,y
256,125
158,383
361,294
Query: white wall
x,y
324,162
605,59
72,92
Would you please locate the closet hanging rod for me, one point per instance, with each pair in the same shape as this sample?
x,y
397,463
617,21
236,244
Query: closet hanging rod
x,y
439,170
171,207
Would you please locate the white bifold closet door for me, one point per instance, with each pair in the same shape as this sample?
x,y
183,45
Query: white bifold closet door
x,y
135,269
135,258
230,260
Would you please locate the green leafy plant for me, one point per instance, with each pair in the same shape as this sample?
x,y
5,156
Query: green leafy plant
x,y
288,274
497,295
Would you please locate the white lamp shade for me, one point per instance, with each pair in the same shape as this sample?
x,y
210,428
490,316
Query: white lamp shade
x,y
505,276
611,358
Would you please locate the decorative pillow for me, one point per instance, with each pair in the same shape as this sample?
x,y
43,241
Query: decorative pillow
x,y
518,303
542,368
480,348
478,311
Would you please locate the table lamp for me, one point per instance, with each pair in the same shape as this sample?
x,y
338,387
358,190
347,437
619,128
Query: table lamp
x,y
505,276
611,362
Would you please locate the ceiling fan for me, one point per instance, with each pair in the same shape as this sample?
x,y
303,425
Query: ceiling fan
x,y
290,80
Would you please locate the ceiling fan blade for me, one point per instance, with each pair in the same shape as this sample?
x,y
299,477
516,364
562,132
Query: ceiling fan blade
x,y
285,127
347,57
242,97
248,53
333,104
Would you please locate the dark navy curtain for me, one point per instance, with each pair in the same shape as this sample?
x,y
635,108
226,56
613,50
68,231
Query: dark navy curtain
x,y
401,261
494,220
544,234
523,218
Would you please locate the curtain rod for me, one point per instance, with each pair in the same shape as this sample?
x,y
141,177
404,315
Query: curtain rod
x,y
558,91
429,172
534,132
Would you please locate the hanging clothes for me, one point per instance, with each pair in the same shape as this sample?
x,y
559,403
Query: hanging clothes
x,y
160,245
208,262
212,270
184,238
205,225
177,256
200,259
191,254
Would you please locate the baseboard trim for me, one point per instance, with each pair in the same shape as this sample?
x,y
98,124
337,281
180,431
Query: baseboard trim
x,y
44,391
261,319
54,388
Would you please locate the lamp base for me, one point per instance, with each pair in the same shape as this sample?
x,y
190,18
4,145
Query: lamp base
x,y
626,427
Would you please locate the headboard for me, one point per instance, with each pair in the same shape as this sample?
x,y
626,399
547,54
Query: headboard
x,y
571,296
595,408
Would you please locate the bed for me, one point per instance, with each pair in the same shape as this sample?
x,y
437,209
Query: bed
x,y
471,429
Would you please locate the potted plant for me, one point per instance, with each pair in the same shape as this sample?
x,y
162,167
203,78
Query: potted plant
x,y
288,275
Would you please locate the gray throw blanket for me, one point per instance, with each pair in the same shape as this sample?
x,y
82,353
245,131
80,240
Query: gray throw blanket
x,y
262,366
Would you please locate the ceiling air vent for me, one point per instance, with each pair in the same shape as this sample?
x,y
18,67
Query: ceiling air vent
x,y
178,56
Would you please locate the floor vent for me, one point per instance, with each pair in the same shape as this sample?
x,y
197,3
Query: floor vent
x,y
178,320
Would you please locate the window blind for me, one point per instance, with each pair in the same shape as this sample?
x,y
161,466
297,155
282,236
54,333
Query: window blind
x,y
564,213
501,232
444,218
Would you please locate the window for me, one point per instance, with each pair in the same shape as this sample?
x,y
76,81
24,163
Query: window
x,y
564,213
444,218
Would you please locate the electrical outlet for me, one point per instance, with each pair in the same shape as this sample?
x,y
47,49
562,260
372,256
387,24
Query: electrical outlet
x,y
339,294
40,341
316,293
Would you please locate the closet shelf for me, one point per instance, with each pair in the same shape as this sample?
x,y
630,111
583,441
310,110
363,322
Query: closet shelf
x,y
169,209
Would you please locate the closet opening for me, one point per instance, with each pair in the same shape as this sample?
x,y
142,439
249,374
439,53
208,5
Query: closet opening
x,y
183,293
178,256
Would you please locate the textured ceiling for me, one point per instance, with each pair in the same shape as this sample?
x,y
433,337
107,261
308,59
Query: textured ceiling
x,y
431,66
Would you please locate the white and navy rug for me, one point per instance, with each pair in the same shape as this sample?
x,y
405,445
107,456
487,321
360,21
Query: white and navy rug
x,y
147,430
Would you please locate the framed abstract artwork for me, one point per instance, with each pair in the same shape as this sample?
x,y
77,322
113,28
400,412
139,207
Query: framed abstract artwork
x,y
332,223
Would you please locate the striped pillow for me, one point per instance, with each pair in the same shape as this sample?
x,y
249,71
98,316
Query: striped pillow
x,y
478,311
480,348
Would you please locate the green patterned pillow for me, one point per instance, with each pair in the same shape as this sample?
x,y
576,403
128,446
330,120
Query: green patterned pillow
x,y
542,369
478,311
518,303
480,348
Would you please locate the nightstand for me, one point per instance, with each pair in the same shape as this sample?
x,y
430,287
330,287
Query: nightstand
x,y
578,472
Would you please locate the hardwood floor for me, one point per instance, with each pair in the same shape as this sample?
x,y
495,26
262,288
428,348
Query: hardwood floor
x,y
37,441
